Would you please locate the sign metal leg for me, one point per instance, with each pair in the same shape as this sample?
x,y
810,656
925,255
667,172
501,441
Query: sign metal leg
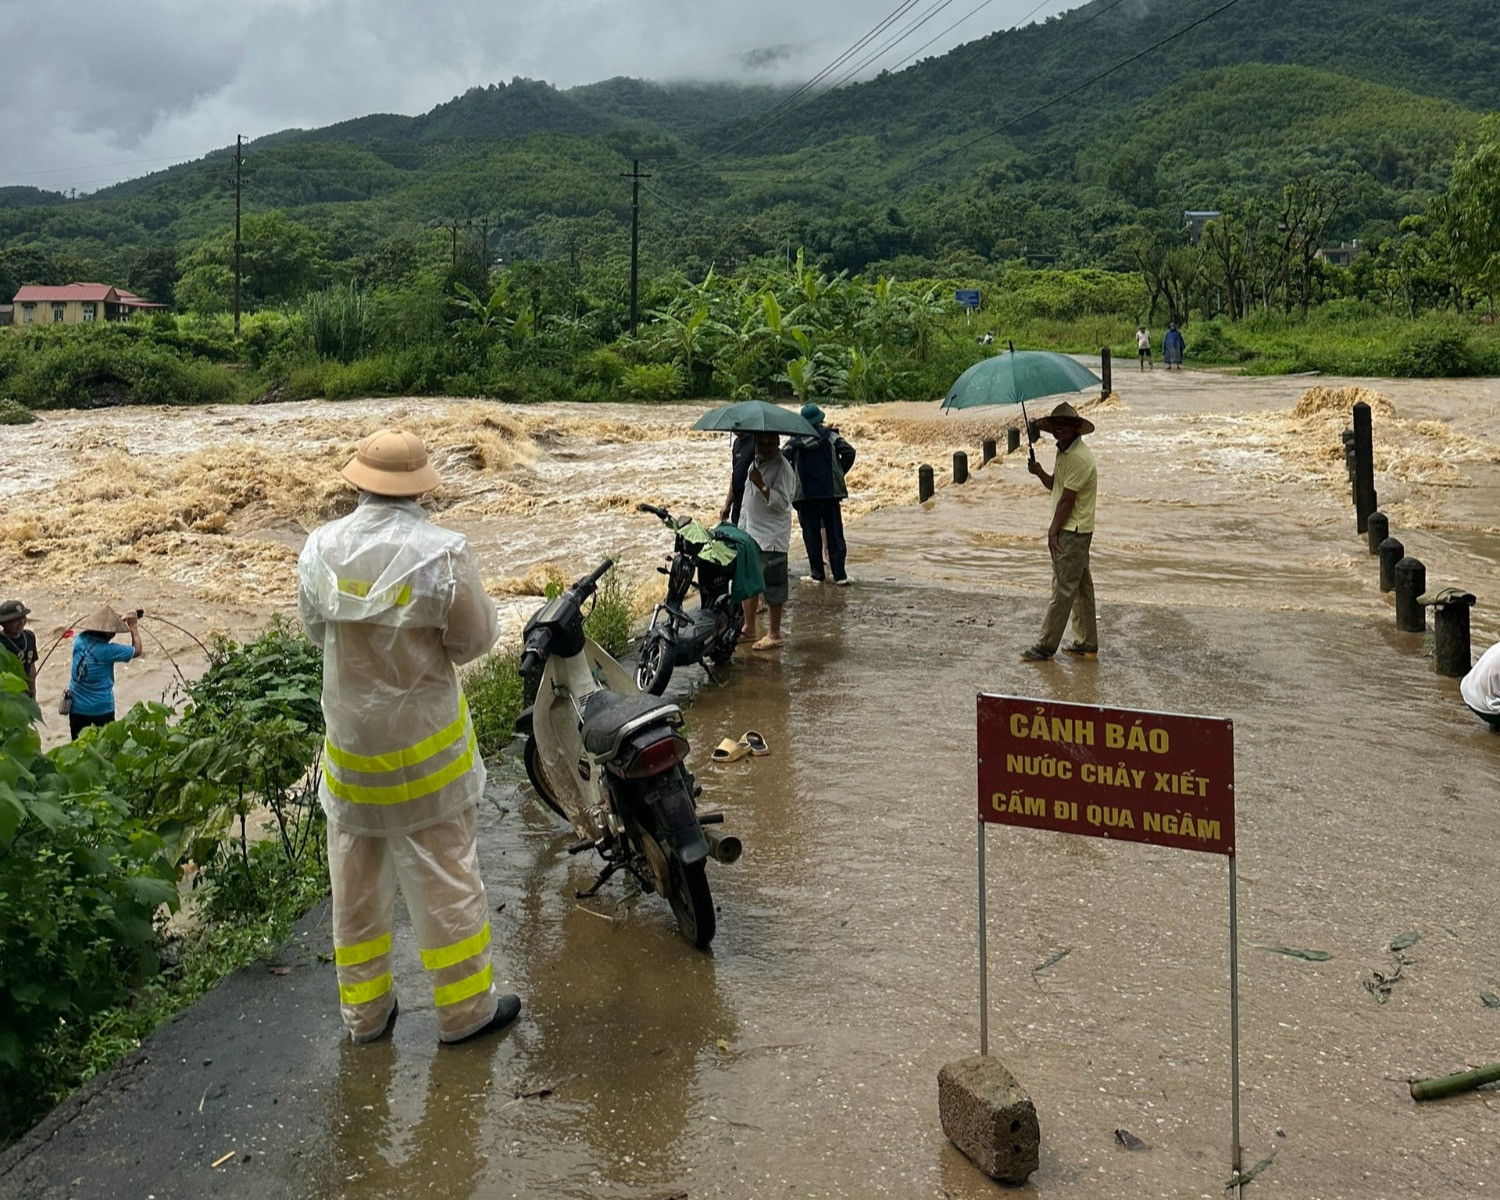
x,y
1235,1153
984,972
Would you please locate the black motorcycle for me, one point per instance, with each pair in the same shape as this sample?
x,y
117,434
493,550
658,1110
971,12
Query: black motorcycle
x,y
609,761
679,636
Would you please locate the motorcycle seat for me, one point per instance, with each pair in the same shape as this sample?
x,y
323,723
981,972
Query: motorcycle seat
x,y
609,717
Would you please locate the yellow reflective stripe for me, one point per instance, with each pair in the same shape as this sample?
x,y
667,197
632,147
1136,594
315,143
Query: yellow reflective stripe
x,y
400,793
447,956
361,588
363,993
409,757
362,952
454,992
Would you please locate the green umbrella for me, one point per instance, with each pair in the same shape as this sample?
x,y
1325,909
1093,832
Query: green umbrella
x,y
1016,377
754,416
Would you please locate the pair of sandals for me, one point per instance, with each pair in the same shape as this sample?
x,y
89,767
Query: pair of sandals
x,y
729,750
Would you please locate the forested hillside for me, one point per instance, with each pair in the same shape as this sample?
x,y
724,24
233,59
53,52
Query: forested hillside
x,y
995,152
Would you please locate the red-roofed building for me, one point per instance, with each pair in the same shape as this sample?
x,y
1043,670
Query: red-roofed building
x,y
75,304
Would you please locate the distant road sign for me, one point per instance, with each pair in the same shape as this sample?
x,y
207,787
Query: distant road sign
x,y
968,297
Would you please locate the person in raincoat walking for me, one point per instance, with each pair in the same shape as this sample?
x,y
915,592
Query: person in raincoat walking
x,y
395,602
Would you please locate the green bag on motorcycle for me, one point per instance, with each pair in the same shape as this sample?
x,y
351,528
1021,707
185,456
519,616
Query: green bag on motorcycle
x,y
748,579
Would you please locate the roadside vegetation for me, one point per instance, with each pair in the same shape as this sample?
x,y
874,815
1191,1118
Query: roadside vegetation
x,y
98,836
210,807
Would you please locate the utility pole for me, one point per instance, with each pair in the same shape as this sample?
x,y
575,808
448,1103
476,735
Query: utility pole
x,y
635,178
239,157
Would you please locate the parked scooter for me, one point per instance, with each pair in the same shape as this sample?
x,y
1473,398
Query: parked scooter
x,y
707,634
609,760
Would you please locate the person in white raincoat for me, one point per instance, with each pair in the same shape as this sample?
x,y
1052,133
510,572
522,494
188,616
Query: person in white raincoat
x,y
395,602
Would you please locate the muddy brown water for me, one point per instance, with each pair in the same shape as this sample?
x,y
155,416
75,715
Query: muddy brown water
x,y
799,1058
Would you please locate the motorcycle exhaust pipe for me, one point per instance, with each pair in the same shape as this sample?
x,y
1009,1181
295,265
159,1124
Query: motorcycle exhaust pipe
x,y
724,847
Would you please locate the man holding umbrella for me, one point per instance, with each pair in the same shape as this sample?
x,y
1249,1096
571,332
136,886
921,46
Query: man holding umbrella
x,y
1073,483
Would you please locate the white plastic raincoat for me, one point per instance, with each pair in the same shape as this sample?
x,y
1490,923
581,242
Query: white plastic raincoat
x,y
395,602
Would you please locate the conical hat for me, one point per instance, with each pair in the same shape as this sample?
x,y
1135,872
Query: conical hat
x,y
1064,414
103,620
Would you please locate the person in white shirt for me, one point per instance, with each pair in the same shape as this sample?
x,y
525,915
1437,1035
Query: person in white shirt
x,y
1143,347
1480,688
767,517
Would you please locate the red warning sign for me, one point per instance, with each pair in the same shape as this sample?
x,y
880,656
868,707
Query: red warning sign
x,y
1118,773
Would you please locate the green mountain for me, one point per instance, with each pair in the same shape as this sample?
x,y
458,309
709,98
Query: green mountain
x,y
1046,141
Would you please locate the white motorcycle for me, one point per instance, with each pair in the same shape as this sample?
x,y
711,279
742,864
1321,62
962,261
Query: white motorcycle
x,y
609,759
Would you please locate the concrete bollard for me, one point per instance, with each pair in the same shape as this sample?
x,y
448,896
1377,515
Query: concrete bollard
x,y
987,451
1411,582
960,467
1012,440
1377,529
1347,437
1106,373
924,484
1451,655
1032,432
989,1116
1391,552
1364,468
1349,461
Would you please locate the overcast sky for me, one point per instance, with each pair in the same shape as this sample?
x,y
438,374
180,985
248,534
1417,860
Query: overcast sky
x,y
103,90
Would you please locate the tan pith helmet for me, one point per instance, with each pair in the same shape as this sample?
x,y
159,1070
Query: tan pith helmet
x,y
392,462
103,619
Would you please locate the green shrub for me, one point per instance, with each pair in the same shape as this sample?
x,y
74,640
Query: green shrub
x,y
92,833
609,621
12,413
493,686
88,368
653,381
81,880
1434,350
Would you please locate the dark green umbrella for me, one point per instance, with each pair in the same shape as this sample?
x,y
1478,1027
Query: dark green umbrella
x,y
754,416
1018,376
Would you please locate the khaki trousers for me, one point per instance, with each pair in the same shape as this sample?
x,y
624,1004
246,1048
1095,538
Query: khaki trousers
x,y
1072,593
438,873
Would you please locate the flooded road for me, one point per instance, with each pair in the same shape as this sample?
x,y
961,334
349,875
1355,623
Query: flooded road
x,y
799,1058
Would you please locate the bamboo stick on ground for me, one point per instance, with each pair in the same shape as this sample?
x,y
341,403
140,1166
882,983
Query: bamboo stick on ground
x,y
1451,1085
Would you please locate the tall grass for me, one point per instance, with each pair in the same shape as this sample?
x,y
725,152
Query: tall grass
x,y
341,321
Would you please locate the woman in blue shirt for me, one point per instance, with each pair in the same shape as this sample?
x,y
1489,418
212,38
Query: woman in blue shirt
x,y
94,658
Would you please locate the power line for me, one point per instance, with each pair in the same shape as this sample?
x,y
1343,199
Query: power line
x,y
1087,83
770,113
973,11
900,37
775,114
669,203
1071,31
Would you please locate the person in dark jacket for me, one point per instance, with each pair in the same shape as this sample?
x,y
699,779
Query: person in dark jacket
x,y
742,455
820,462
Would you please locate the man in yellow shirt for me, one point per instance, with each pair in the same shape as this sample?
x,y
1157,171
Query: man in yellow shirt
x,y
1073,486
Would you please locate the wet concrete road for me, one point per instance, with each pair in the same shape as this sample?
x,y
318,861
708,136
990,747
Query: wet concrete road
x,y
799,1059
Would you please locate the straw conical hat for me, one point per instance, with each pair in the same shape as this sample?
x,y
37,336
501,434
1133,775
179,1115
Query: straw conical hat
x,y
103,620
